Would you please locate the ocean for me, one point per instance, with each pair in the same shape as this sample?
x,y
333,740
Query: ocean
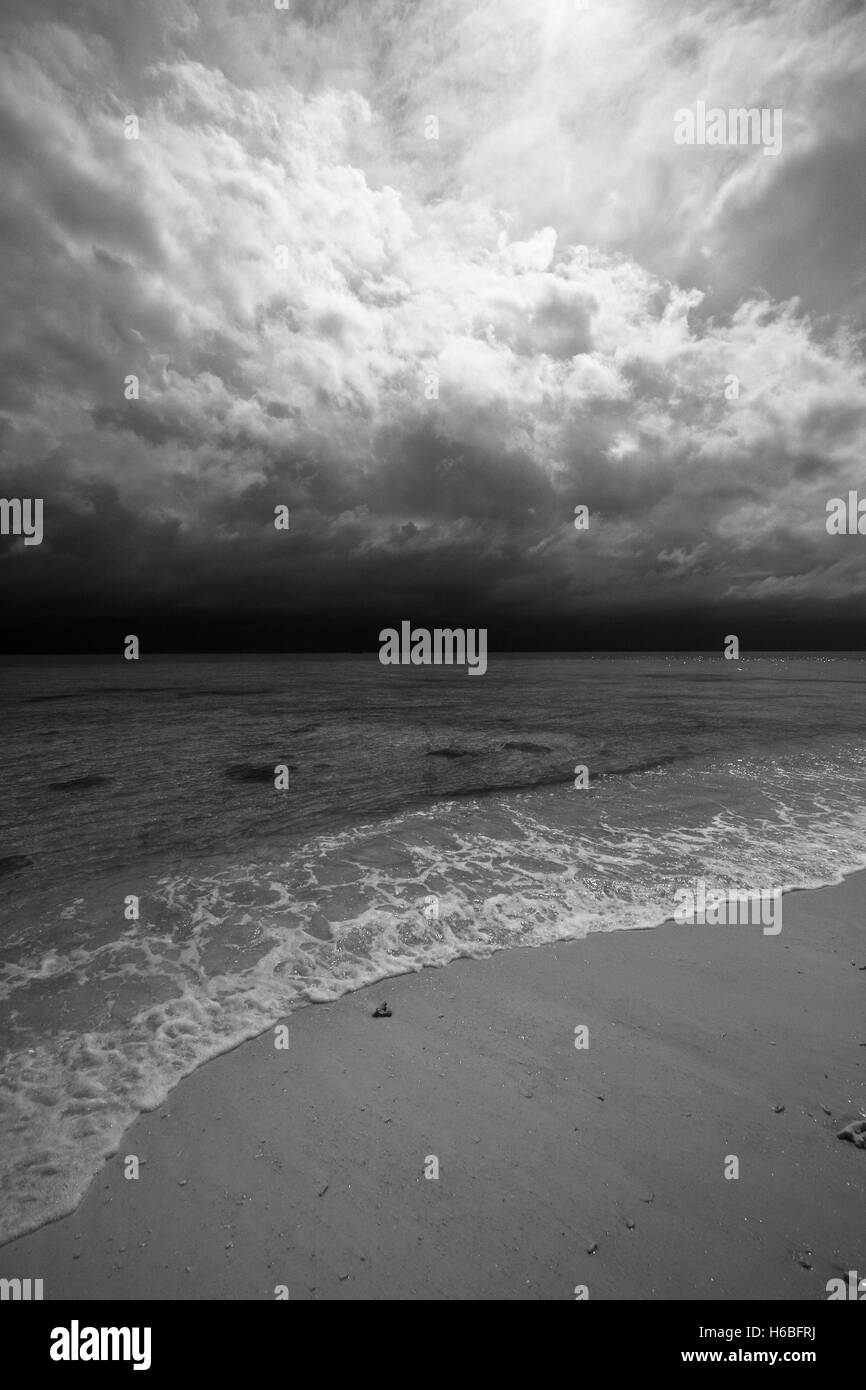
x,y
428,816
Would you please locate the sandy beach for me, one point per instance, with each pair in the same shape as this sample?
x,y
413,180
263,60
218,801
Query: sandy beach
x,y
558,1166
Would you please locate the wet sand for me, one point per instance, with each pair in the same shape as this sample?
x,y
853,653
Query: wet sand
x,y
304,1169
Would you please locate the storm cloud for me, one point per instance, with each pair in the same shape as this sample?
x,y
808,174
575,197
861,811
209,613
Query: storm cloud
x,y
430,276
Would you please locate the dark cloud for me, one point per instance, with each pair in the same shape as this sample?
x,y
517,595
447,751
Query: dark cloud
x,y
430,350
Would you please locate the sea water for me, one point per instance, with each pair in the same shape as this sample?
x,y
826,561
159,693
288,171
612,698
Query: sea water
x,y
427,817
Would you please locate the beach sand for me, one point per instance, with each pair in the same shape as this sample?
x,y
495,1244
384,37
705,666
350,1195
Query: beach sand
x,y
558,1167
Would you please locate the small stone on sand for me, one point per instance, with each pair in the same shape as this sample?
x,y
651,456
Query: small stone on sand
x,y
855,1133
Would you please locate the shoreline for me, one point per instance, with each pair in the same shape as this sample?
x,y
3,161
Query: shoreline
x,y
273,1149
243,1041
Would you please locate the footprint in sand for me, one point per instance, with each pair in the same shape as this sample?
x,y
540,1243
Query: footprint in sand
x,y
855,1132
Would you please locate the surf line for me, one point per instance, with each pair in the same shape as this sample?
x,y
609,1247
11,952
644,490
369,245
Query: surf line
x,y
444,646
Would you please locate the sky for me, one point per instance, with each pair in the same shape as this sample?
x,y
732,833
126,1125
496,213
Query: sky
x,y
431,276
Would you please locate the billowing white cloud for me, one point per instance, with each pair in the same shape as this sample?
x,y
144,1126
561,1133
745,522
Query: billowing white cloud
x,y
431,350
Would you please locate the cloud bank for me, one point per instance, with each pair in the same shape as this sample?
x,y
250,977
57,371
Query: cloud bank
x,y
431,350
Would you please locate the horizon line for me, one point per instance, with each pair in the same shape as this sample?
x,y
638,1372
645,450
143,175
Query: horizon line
x,y
505,651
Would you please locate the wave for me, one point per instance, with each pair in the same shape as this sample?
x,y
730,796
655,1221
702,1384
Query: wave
x,y
76,784
14,863
455,752
224,950
527,747
252,772
198,693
